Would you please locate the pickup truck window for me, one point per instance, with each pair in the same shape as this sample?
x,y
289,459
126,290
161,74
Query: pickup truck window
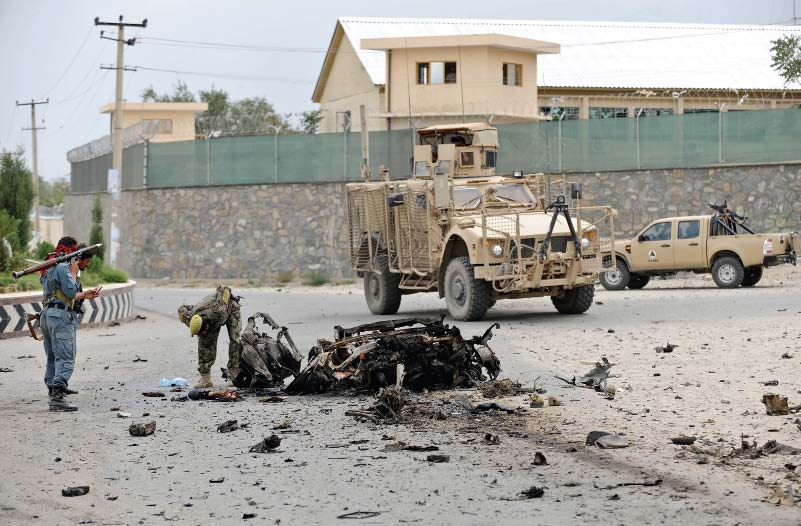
x,y
658,232
689,229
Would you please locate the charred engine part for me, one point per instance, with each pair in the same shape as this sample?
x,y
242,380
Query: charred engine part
x,y
433,355
266,360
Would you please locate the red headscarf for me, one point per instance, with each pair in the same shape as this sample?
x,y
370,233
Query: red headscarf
x,y
59,251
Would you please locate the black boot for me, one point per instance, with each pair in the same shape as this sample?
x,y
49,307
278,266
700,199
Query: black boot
x,y
57,402
68,391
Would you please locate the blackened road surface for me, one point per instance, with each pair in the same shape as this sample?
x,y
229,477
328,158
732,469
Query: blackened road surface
x,y
329,465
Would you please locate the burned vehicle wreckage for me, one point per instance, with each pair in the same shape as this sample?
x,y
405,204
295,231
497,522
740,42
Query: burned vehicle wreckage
x,y
432,355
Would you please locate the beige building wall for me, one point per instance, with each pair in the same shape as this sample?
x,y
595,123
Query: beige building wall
x,y
181,114
347,88
478,90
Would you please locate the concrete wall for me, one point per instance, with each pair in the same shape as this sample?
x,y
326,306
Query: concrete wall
x,y
78,217
261,230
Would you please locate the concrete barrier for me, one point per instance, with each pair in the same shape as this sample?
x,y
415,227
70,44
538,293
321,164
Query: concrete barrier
x,y
115,303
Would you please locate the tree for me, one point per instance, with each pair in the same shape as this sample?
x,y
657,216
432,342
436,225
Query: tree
x,y
180,93
311,121
249,116
786,55
9,239
51,193
96,233
16,193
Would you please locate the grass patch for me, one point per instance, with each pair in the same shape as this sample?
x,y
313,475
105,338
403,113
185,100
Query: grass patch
x,y
26,283
96,274
286,276
316,279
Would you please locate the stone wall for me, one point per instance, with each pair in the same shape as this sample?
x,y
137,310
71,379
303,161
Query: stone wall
x,y
254,231
770,195
259,231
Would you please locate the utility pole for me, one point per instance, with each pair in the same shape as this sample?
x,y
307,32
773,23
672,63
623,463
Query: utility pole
x,y
115,174
34,163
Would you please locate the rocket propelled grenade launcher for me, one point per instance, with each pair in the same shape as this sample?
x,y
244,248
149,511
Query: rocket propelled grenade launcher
x,y
55,261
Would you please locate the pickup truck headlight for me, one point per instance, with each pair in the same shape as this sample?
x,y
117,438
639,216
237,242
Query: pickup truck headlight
x,y
497,250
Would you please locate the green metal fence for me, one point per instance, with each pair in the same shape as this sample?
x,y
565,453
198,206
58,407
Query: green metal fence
x,y
677,141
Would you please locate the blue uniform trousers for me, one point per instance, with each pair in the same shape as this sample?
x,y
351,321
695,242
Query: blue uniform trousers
x,y
58,329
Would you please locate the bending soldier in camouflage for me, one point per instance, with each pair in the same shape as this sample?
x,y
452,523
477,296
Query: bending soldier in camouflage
x,y
205,319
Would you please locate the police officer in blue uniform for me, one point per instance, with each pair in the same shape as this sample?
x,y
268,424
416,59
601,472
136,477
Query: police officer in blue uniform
x,y
59,317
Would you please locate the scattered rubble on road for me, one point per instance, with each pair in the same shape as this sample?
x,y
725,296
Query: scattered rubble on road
x,y
775,404
266,445
230,425
220,395
606,440
142,430
595,378
666,349
75,491
434,355
389,403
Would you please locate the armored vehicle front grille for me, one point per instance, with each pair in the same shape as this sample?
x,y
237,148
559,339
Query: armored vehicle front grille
x,y
528,248
559,243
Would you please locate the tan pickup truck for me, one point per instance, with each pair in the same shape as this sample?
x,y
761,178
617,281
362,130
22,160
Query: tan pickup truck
x,y
718,243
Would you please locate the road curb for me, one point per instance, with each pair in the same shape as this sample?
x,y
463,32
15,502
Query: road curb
x,y
115,304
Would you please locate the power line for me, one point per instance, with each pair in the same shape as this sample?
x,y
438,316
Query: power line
x,y
199,44
80,48
224,75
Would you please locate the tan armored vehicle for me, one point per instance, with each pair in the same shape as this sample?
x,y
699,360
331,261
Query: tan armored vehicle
x,y
719,243
473,236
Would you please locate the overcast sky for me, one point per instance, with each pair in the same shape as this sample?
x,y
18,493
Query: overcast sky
x,y
51,49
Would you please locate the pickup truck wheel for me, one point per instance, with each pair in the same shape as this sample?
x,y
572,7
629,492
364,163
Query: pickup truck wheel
x,y
574,301
752,276
728,273
638,281
617,279
381,291
468,298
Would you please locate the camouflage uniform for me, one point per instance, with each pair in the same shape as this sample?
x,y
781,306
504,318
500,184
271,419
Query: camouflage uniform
x,y
215,313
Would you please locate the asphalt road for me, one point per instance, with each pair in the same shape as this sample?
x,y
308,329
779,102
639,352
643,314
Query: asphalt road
x,y
329,465
315,312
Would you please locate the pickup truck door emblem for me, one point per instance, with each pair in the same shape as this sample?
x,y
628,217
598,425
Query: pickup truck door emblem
x,y
652,255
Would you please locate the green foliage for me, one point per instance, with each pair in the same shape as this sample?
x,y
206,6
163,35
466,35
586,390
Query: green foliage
x,y
51,193
9,284
96,232
316,279
254,115
786,55
98,273
43,248
16,193
9,240
180,93
286,276
311,121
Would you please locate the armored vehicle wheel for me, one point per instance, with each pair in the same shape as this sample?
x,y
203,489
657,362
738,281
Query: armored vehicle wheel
x,y
468,298
574,301
617,279
728,273
638,281
752,276
381,290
